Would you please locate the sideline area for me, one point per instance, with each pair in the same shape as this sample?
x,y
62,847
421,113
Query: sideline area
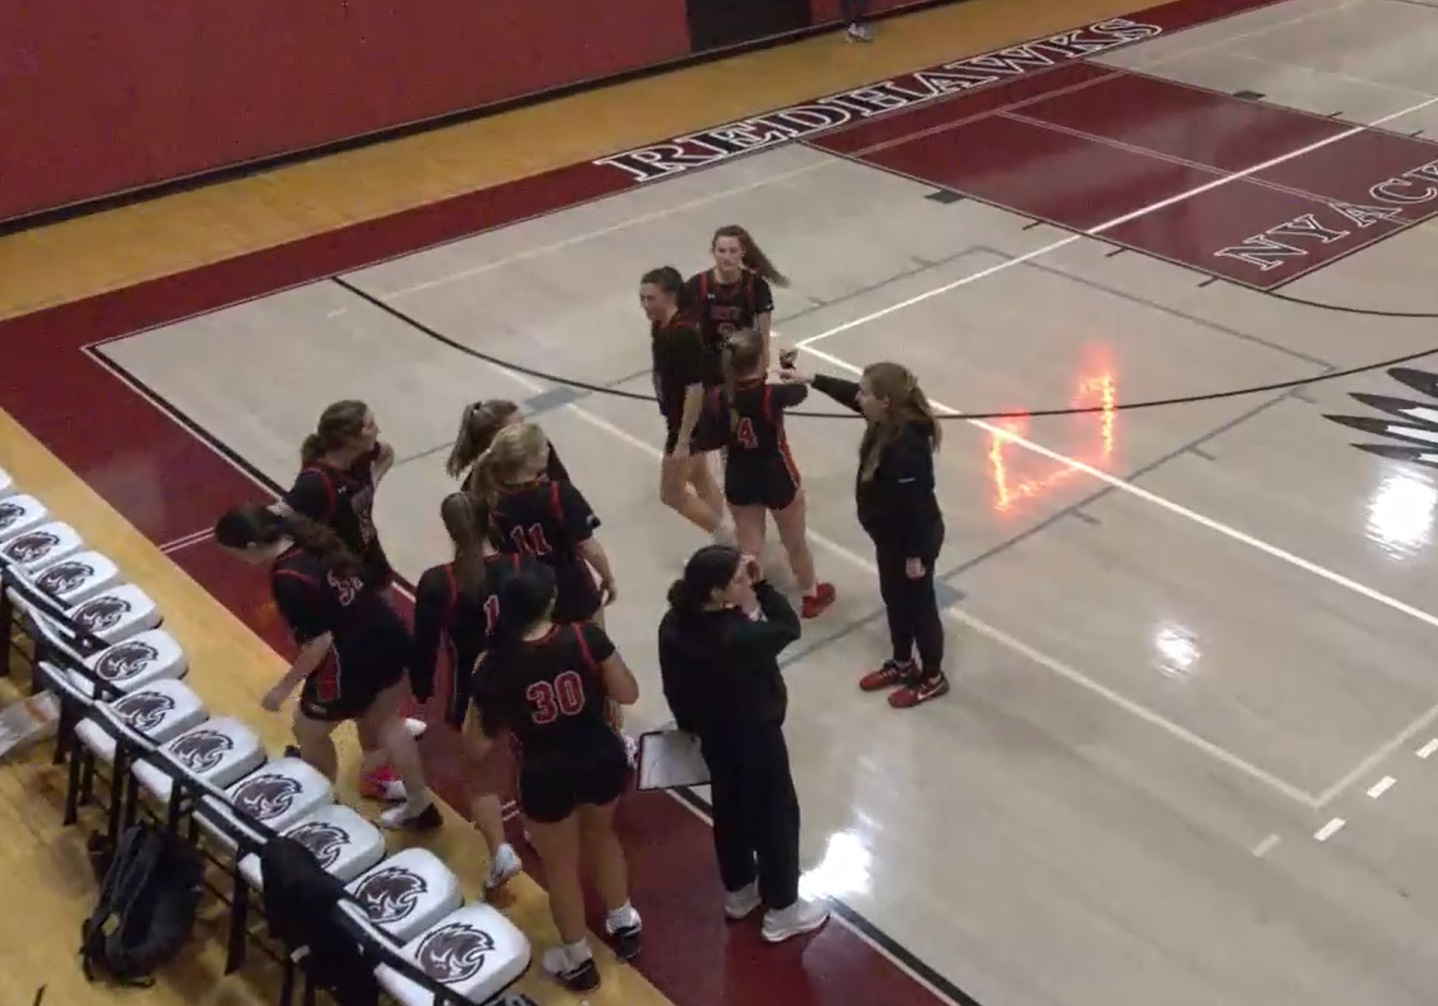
x,y
45,864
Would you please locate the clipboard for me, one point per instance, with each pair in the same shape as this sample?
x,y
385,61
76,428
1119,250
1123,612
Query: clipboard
x,y
671,759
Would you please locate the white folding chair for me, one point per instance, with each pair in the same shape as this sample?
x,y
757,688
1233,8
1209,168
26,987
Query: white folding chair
x,y
78,578
277,795
342,842
407,893
220,751
118,613
20,513
475,951
160,711
135,663
40,546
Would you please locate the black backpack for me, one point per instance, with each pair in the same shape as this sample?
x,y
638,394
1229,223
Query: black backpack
x,y
147,906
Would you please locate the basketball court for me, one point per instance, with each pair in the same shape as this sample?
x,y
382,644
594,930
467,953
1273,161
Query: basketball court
x,y
1185,758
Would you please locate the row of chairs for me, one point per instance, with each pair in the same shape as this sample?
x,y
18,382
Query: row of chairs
x,y
99,646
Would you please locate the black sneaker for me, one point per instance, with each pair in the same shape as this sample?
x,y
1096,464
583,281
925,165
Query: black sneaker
x,y
400,818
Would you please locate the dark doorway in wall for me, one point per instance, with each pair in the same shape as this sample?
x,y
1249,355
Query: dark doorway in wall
x,y
717,23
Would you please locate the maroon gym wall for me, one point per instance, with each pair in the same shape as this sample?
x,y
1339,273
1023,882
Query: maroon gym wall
x,y
101,98
97,98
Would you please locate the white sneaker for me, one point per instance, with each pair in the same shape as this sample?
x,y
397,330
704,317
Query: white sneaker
x,y
415,727
578,974
799,918
741,904
502,868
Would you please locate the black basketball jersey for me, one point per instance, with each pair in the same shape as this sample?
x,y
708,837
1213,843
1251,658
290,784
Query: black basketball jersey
x,y
315,598
679,363
549,693
342,499
725,308
754,424
542,519
444,616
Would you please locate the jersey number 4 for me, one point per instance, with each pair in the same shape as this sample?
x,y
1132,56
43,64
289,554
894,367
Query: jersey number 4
x,y
549,700
744,433
530,540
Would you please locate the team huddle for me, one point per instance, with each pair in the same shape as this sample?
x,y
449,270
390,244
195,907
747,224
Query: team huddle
x,y
518,612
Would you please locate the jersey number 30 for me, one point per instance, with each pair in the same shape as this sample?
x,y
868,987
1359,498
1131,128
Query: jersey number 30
x,y
549,700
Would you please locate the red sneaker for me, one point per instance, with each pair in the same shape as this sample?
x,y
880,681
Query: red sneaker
x,y
382,784
919,690
891,675
817,603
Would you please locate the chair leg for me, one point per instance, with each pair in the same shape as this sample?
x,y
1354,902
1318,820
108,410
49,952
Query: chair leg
x,y
239,921
72,784
119,775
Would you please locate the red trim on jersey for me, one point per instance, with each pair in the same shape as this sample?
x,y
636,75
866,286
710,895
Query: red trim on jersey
x,y
327,677
584,648
319,469
767,409
298,576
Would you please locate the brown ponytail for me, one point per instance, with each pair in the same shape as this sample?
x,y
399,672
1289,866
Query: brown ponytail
x,y
322,543
338,425
461,521
477,427
250,524
743,355
754,258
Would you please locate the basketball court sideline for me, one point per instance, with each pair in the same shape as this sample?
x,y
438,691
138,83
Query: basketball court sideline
x,y
1189,643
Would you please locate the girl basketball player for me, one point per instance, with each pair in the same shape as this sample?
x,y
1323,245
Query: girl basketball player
x,y
477,427
456,605
531,515
686,484
342,464
894,492
546,682
760,477
734,295
353,648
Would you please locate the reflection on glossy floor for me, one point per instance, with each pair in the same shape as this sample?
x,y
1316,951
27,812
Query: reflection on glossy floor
x,y
1186,757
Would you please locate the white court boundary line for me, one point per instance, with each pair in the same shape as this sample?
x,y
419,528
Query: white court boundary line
x,y
998,636
540,251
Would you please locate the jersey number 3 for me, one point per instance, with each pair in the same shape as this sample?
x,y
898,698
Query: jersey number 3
x,y
744,433
549,700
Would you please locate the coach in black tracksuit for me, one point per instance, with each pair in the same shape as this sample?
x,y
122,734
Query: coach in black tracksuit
x,y
720,670
900,512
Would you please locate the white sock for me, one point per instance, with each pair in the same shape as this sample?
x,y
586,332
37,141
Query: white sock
x,y
623,917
